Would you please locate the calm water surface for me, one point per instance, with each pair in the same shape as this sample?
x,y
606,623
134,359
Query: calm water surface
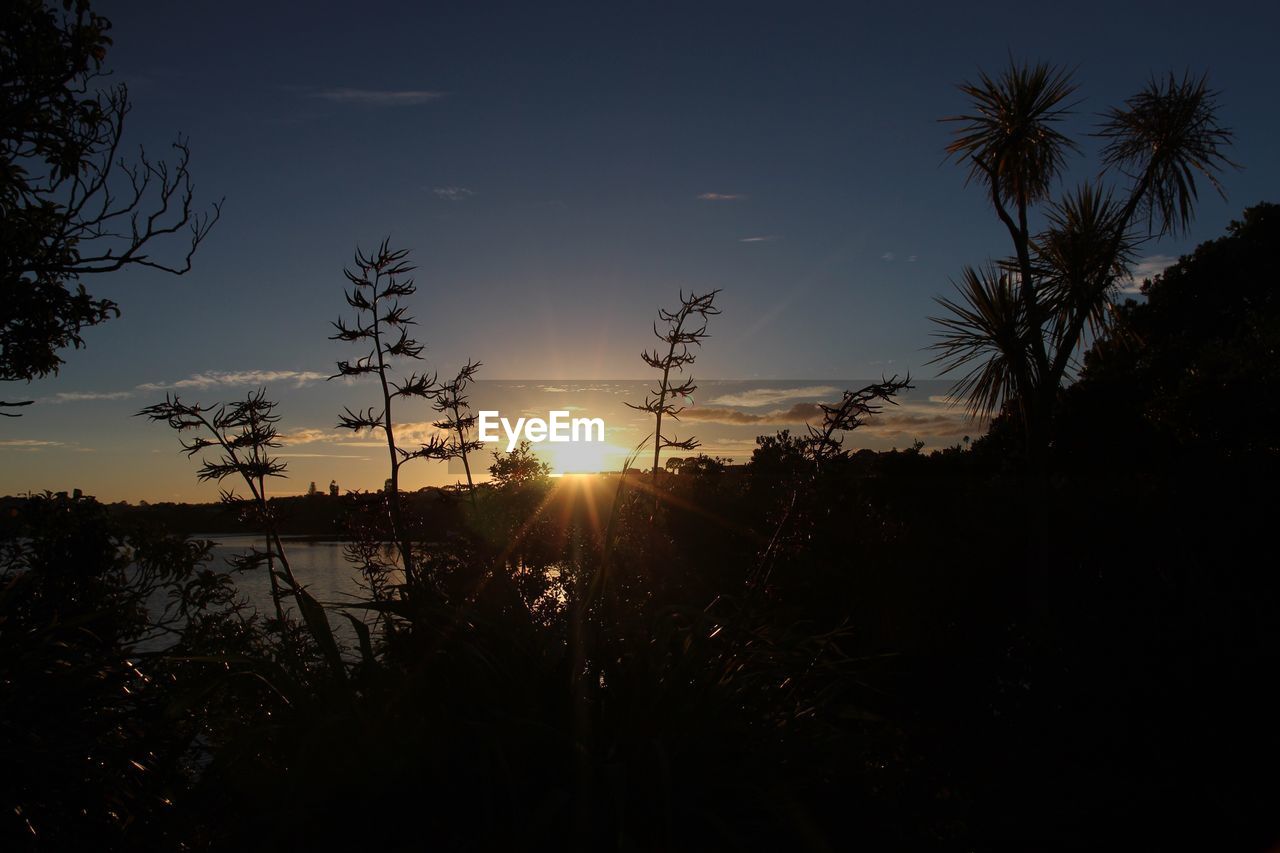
x,y
318,564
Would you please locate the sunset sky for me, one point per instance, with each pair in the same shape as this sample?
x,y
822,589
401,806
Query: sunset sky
x,y
560,171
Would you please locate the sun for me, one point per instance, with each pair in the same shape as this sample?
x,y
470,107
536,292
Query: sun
x,y
582,457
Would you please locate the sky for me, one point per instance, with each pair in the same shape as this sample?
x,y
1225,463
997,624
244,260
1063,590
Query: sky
x,y
560,171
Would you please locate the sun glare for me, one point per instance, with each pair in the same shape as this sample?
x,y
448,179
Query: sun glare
x,y
582,457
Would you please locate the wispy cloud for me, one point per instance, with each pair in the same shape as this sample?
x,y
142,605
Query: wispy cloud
x,y
378,97
763,238
322,456
453,193
931,418
906,421
408,436
734,448
224,378
1148,267
917,424
415,432
78,396
721,197
797,414
890,424
888,256
196,381
311,435
756,397
28,444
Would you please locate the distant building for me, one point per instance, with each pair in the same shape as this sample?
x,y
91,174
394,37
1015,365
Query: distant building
x,y
333,488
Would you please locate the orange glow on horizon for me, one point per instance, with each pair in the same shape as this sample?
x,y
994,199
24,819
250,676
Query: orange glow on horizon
x,y
581,457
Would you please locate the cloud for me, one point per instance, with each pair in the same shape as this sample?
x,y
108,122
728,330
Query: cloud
x,y
757,397
322,456
911,259
311,435
78,396
220,378
731,447
379,97
408,436
906,420
763,238
196,381
1148,267
797,414
888,256
721,197
28,444
453,193
917,424
890,423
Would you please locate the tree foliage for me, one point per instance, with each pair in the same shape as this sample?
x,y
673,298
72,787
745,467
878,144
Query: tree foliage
x,y
1018,323
519,468
71,205
1197,369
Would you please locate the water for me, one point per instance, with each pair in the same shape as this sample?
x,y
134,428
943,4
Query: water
x,y
318,564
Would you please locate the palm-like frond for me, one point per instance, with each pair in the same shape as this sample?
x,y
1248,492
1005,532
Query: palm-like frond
x,y
1161,138
1082,253
985,335
1010,139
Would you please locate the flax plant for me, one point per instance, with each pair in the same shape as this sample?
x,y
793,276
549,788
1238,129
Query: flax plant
x,y
379,281
684,328
243,434
450,400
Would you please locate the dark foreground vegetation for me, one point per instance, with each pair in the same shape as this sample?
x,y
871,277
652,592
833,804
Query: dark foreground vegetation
x,y
813,651
1061,637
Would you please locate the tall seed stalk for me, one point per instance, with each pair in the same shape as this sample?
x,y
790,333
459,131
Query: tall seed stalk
x,y
667,400
381,322
450,399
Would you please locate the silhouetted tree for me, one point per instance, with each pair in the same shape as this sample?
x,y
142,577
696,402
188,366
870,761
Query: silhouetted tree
x,y
668,399
520,467
1018,323
827,441
244,434
1196,369
378,285
785,468
70,205
450,399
